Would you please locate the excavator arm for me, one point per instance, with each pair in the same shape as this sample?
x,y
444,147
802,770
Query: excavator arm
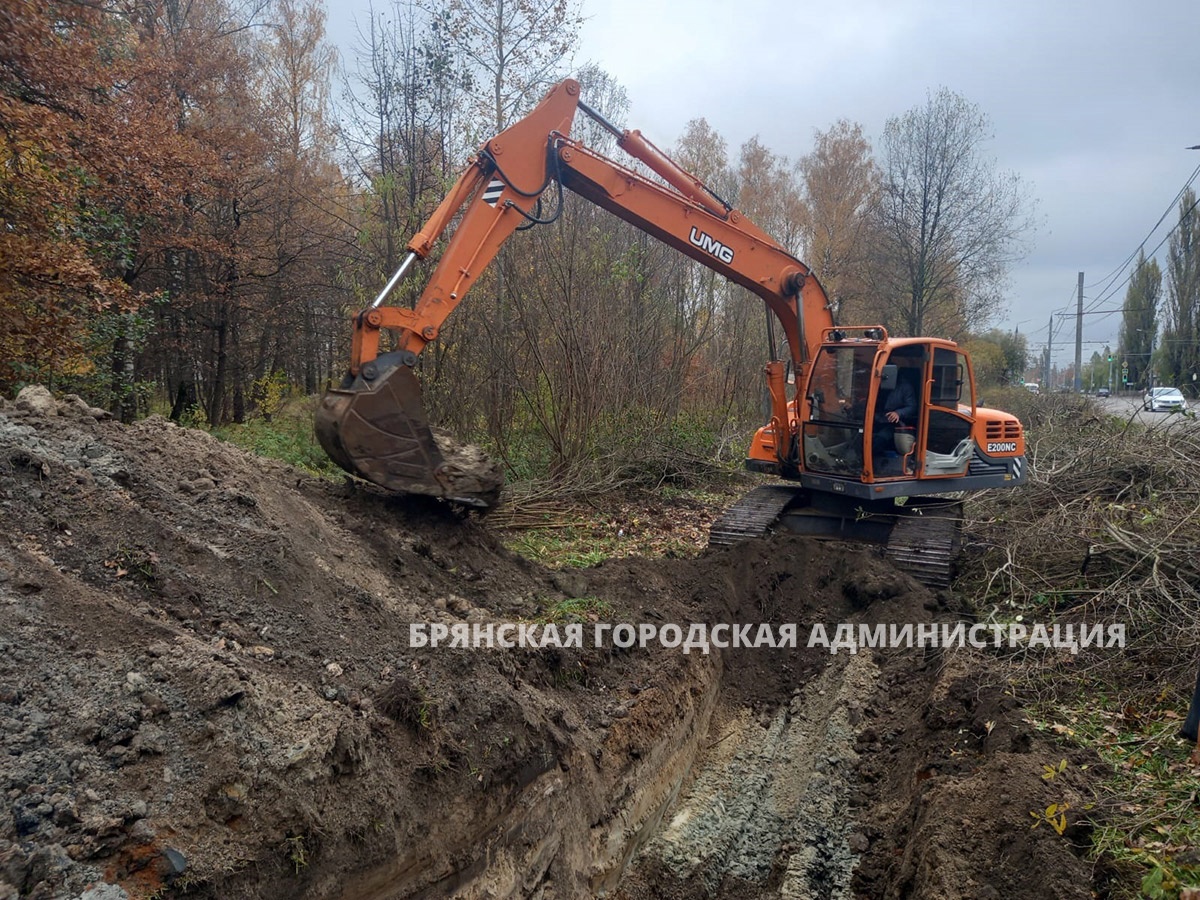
x,y
374,425
496,194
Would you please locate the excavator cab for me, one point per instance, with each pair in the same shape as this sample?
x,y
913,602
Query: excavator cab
x,y
939,438
854,387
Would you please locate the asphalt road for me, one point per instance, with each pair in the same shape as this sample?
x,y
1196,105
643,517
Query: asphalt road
x,y
1127,406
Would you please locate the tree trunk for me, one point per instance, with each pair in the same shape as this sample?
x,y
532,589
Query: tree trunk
x,y
124,398
216,400
239,381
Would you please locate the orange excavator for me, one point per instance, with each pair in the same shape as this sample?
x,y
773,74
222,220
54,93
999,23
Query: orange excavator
x,y
853,461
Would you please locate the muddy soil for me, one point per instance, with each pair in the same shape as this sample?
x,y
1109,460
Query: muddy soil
x,y
207,690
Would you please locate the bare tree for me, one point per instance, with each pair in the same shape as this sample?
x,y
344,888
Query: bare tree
x,y
400,126
841,186
515,48
951,222
304,233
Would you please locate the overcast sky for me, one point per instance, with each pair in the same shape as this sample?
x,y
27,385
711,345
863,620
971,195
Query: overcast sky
x,y
1091,103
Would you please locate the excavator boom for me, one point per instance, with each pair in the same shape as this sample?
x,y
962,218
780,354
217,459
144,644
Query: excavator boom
x,y
374,424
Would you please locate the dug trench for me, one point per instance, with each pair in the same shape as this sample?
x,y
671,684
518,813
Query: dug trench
x,y
207,690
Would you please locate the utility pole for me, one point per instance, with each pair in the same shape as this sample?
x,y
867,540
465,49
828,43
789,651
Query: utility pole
x,y
1049,355
1079,337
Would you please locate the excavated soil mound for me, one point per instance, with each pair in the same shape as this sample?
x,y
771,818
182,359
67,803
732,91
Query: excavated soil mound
x,y
207,690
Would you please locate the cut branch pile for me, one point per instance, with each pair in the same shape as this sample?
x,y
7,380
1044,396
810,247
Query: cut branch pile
x,y
1107,530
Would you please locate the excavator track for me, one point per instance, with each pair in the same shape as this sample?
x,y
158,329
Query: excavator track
x,y
926,542
753,516
922,538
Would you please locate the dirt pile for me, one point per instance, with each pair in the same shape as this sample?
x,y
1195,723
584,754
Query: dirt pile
x,y
206,690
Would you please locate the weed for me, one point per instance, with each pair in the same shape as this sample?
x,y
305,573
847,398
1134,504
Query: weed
x,y
297,852
287,435
1159,883
424,716
586,544
575,610
561,548
571,677
403,702
1049,773
134,561
1054,815
193,417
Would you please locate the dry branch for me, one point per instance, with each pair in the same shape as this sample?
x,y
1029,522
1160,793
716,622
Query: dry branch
x,y
1106,530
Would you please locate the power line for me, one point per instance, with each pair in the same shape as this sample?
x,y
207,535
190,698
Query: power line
x,y
1112,288
1110,277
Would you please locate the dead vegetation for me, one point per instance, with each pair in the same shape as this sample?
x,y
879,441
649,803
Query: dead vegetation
x,y
1106,529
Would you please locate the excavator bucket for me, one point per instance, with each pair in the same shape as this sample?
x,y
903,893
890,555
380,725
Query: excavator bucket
x,y
374,426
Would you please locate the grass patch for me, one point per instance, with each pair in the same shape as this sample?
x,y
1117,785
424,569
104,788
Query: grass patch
x,y
670,522
575,611
559,548
581,547
404,702
287,435
1147,829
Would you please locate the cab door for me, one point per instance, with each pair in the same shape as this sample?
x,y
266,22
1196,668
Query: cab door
x,y
839,388
949,416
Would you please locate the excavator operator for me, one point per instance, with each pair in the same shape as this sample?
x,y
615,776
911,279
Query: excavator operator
x,y
898,408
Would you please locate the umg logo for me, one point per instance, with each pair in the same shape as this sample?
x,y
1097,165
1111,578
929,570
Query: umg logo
x,y
710,245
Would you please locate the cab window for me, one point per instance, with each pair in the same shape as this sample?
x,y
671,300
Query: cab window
x,y
837,395
951,380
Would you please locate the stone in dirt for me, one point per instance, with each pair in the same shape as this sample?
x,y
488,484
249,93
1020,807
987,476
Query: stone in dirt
x,y
37,399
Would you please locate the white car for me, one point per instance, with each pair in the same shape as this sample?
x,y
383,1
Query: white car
x,y
1164,398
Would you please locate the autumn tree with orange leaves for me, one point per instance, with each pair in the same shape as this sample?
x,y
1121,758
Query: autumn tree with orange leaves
x,y
172,210
90,153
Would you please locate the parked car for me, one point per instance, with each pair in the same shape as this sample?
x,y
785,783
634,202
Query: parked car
x,y
1102,392
1164,398
1031,386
